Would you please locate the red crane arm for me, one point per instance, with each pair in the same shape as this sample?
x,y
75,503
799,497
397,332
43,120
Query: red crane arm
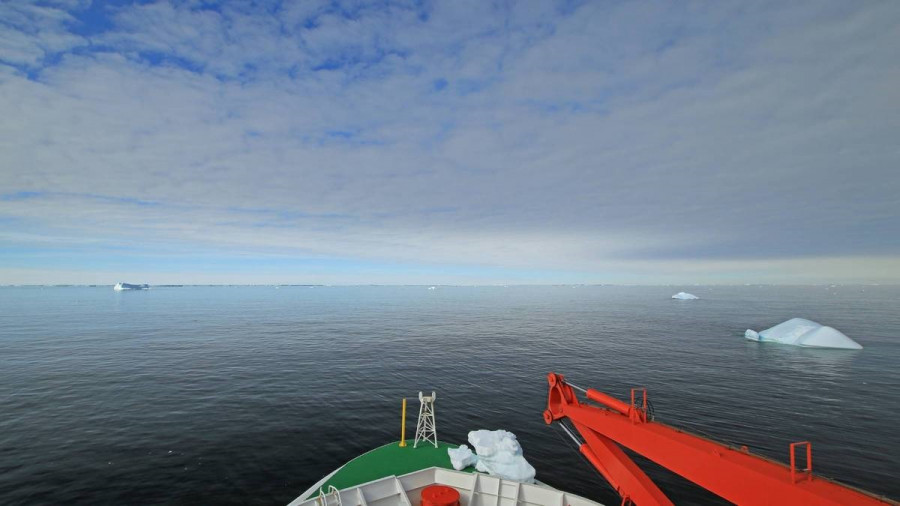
x,y
733,474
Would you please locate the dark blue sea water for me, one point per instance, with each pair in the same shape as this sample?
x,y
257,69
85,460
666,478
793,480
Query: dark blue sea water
x,y
233,395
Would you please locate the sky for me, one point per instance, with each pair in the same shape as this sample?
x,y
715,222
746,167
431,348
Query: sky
x,y
449,142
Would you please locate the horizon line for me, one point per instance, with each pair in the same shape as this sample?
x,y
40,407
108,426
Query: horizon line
x,y
497,285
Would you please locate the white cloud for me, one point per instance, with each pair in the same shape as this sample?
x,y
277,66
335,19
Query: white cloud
x,y
29,32
632,137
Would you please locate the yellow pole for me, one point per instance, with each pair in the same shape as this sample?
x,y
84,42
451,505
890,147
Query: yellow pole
x,y
403,425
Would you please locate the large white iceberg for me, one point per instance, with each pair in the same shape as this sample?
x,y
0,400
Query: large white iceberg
x,y
499,454
800,332
685,296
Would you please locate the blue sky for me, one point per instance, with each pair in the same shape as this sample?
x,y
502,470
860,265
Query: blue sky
x,y
449,142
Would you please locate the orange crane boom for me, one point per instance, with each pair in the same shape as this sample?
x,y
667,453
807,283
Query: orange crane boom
x,y
734,474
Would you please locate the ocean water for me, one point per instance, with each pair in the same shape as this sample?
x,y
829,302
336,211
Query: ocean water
x,y
249,395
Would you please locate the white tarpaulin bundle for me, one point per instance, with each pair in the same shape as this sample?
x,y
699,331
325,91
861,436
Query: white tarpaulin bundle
x,y
800,332
462,457
499,454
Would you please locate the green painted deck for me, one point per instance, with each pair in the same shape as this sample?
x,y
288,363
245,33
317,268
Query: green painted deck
x,y
391,460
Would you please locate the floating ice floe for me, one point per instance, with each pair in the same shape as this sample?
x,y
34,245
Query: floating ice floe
x,y
499,454
685,296
800,332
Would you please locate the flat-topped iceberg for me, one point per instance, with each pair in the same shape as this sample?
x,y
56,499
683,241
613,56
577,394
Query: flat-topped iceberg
x,y
128,286
801,332
685,296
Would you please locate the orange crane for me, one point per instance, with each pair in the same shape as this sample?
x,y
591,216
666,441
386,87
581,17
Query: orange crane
x,y
732,473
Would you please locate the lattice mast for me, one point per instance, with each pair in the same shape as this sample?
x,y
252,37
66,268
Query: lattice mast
x,y
426,430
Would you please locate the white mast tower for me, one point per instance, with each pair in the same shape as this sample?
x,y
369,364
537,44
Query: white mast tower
x,y
426,430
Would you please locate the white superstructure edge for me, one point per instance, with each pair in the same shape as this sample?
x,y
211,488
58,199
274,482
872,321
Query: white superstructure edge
x,y
475,489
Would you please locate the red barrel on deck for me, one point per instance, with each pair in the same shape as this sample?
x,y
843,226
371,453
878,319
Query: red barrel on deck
x,y
440,495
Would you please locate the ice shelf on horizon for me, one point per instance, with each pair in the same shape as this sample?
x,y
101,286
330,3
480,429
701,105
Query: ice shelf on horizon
x,y
685,296
807,333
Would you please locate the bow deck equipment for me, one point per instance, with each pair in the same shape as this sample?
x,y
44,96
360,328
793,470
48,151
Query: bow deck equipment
x,y
397,474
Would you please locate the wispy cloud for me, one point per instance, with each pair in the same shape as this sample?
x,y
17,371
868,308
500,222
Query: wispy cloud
x,y
555,141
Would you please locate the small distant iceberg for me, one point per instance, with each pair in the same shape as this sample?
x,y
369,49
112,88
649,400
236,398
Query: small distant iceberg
x,y
807,333
128,286
685,296
432,288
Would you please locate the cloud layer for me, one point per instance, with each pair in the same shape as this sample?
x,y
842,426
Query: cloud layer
x,y
457,141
